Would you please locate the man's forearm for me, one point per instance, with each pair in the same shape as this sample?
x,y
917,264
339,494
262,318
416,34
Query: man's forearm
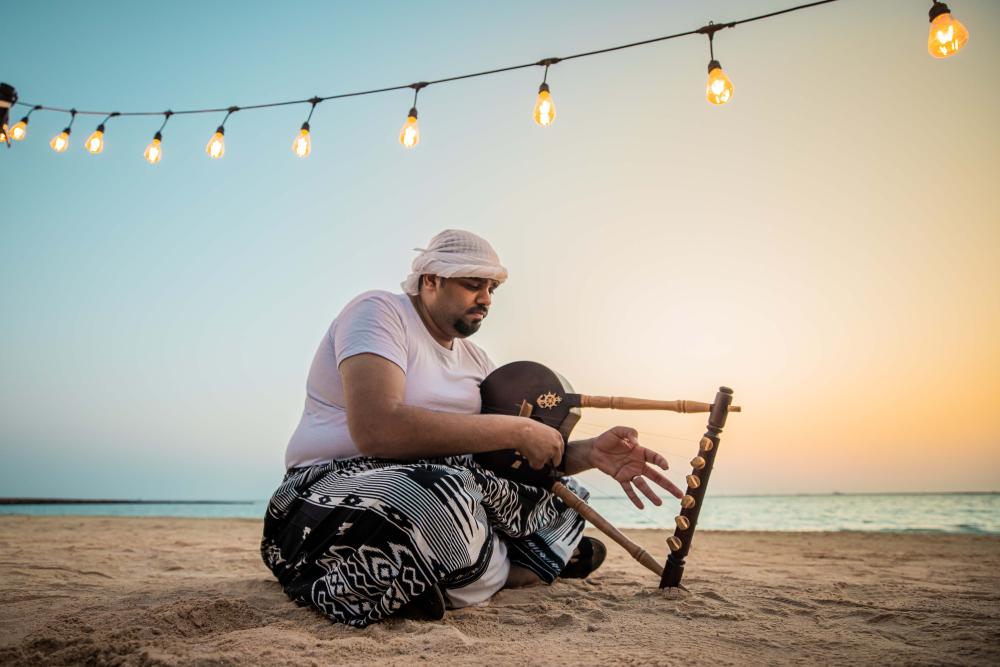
x,y
577,456
410,433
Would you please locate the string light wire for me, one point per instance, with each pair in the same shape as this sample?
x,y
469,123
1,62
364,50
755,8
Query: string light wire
x,y
541,63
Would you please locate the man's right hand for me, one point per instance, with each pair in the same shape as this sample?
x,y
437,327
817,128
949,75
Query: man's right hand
x,y
540,444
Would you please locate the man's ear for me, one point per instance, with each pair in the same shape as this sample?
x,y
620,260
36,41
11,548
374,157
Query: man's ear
x,y
430,282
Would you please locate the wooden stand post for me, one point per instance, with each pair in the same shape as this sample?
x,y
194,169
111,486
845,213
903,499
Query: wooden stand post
x,y
680,541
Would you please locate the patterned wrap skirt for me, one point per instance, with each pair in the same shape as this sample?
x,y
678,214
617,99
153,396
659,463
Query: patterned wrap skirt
x,y
357,539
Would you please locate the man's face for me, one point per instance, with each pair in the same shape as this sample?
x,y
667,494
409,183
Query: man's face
x,y
459,305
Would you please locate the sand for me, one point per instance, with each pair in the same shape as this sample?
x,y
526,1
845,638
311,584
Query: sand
x,y
150,591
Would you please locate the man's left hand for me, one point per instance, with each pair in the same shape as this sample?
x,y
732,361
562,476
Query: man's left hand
x,y
617,452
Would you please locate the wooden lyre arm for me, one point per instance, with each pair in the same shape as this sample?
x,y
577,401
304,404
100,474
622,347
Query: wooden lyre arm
x,y
590,514
626,403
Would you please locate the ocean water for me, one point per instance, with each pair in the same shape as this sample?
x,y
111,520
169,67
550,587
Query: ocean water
x,y
969,513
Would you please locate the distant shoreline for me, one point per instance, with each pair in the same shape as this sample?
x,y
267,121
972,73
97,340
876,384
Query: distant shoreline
x,y
118,501
84,501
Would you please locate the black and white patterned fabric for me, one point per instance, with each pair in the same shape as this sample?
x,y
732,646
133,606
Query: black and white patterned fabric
x,y
357,539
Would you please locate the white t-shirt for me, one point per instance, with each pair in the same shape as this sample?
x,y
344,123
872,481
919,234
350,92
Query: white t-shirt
x,y
388,325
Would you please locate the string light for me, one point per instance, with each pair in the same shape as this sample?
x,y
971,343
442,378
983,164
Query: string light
x,y
946,38
95,142
302,144
947,35
545,108
409,135
20,129
154,151
60,142
216,147
719,88
8,98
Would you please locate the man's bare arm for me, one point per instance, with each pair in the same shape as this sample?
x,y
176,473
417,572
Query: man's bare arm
x,y
382,425
577,456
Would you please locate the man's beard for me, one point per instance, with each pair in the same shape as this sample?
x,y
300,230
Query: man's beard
x,y
465,328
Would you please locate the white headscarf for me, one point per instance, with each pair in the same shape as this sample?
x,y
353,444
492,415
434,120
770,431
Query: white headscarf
x,y
455,253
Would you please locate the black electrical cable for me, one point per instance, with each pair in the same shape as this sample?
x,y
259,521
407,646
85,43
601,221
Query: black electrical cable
x,y
709,29
166,116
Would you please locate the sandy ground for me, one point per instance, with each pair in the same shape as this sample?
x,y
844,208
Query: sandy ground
x,y
145,591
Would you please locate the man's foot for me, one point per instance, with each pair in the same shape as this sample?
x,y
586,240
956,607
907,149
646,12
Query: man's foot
x,y
587,558
427,607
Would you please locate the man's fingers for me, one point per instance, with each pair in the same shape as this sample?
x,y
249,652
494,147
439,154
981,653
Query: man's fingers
x,y
661,479
630,492
646,491
658,459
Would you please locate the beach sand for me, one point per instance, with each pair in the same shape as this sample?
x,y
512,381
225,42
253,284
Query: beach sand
x,y
168,591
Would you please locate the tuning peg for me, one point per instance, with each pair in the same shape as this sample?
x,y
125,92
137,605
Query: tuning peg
x,y
674,543
697,463
687,502
693,481
682,522
707,444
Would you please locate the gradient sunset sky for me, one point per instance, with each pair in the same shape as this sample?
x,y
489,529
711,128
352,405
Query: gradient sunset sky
x,y
826,244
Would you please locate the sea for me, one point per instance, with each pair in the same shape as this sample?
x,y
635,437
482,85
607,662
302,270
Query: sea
x,y
957,513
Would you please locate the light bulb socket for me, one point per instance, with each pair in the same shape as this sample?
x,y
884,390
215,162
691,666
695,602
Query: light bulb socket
x,y
25,120
305,126
544,88
8,96
100,128
221,130
158,137
68,131
937,9
714,64
413,112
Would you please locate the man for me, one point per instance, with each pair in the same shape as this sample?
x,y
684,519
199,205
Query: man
x,y
382,510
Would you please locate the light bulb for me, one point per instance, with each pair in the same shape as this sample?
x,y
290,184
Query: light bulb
x,y
947,35
20,130
60,142
409,136
719,89
216,147
3,133
153,151
545,108
302,145
95,142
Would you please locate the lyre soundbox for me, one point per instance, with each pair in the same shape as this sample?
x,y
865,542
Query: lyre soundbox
x,y
552,401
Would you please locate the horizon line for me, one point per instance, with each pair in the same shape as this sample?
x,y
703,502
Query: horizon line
x,y
126,501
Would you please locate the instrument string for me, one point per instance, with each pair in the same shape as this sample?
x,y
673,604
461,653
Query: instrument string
x,y
642,432
616,494
556,423
657,448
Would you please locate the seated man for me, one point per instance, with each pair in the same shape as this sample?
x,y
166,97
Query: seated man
x,y
382,509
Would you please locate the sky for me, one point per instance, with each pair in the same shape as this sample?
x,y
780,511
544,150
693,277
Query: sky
x,y
826,244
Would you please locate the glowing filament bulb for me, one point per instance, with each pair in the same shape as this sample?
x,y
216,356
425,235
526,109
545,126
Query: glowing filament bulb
x,y
409,136
153,151
302,145
60,142
545,108
947,35
20,130
3,133
216,147
95,142
719,89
